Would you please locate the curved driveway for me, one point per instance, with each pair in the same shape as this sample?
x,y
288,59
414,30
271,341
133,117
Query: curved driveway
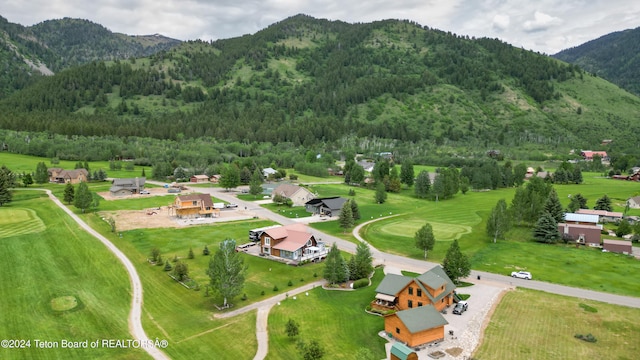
x,y
135,322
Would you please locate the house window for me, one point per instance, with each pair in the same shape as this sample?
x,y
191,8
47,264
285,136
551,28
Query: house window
x,y
419,304
410,291
419,292
267,241
397,330
194,203
309,243
410,303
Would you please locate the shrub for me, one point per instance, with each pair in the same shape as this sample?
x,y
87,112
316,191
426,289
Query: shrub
x,y
588,338
290,283
275,287
360,283
205,251
244,297
588,308
167,266
262,293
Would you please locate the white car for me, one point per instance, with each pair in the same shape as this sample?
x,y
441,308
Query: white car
x,y
145,192
521,275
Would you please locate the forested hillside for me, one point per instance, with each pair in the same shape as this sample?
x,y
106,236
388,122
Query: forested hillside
x,y
389,85
615,57
54,45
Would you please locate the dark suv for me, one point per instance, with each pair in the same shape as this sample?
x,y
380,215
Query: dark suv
x,y
460,307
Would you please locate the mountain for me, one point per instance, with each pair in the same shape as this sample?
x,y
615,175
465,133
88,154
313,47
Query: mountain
x,y
54,45
306,81
615,57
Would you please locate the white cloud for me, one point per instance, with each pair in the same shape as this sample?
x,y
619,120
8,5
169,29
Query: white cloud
x,y
542,25
501,22
540,22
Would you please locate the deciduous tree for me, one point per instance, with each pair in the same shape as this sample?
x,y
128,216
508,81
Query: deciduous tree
x,y
41,175
83,197
381,193
227,271
292,328
455,263
424,239
423,185
499,221
7,182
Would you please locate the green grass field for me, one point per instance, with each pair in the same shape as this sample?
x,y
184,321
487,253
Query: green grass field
x,y
336,319
48,261
529,324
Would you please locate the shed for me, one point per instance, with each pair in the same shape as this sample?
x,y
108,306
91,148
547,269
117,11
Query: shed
x,y
199,179
416,326
400,351
617,246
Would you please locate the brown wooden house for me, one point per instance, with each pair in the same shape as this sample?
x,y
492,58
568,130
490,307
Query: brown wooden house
x,y
194,205
292,243
201,179
417,326
403,292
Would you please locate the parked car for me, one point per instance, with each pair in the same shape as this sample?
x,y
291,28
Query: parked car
x,y
521,275
229,206
460,307
145,192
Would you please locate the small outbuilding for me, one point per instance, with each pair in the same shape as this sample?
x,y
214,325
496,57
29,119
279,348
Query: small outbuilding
x,y
617,246
400,351
199,179
416,326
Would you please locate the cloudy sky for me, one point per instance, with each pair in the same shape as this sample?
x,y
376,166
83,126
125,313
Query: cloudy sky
x,y
547,26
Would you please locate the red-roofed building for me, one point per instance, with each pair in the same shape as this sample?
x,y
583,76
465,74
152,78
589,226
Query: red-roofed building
x,y
292,244
587,155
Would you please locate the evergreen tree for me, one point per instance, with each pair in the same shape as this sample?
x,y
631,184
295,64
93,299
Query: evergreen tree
x,y
499,221
27,179
41,175
406,173
363,261
227,271
7,182
455,263
604,203
439,187
69,192
180,270
205,251
346,217
577,202
381,193
519,173
356,174
553,206
143,174
577,175
355,211
83,197
335,267
464,185
424,239
624,228
380,170
423,185
191,255
546,229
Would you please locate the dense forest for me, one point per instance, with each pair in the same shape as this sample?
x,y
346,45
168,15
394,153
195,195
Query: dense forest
x,y
615,57
327,86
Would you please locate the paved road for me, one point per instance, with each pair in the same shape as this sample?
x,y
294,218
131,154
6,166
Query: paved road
x,y
135,322
420,266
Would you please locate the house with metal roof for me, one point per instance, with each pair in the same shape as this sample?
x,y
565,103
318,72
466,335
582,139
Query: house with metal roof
x,y
604,215
416,326
330,206
399,292
585,219
291,244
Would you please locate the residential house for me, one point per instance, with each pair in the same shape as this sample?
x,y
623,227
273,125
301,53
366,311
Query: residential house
x,y
292,243
329,206
367,165
605,216
61,176
121,187
199,179
582,234
587,155
268,171
194,205
298,194
617,246
404,292
418,302
634,202
585,219
416,326
215,178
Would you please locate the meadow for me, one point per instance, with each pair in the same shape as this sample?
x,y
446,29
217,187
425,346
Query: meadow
x,y
550,325
59,283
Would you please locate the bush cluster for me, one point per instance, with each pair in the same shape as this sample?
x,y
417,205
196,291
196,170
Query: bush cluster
x,y
360,283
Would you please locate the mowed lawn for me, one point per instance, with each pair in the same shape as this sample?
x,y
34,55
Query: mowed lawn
x,y
336,319
47,259
534,325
